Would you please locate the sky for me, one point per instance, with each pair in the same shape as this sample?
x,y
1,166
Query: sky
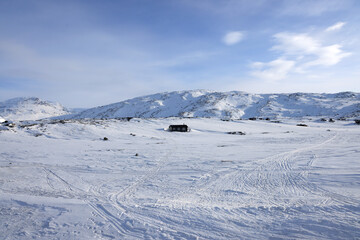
x,y
87,53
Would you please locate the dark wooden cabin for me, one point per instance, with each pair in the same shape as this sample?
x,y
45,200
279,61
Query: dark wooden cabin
x,y
178,128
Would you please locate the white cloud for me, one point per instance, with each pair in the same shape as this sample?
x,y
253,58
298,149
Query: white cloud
x,y
328,56
299,53
308,51
336,26
232,38
274,70
295,44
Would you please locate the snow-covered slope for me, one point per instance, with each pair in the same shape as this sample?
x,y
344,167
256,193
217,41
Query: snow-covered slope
x,y
30,109
233,105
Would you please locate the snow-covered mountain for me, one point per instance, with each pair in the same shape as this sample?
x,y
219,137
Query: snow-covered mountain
x,y
232,105
30,109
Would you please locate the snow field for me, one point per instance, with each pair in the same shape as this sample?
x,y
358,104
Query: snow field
x,y
278,181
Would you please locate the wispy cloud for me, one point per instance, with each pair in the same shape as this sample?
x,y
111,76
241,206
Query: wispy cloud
x,y
299,52
106,79
313,7
327,56
308,51
336,26
272,71
232,38
295,44
185,59
226,8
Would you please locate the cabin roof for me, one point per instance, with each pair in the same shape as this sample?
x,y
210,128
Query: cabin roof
x,y
178,125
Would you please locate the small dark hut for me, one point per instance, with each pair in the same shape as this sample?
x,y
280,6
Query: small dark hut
x,y
178,128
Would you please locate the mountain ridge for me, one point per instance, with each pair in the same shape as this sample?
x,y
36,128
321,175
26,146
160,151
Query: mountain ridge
x,y
197,103
30,108
230,105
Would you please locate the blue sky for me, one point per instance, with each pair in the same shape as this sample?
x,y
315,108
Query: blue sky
x,y
85,53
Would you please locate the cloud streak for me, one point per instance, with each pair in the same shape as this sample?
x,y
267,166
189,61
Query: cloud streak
x,y
232,38
273,71
80,76
336,26
308,50
299,53
313,7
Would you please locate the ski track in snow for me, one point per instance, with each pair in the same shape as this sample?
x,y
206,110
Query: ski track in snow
x,y
180,186
268,175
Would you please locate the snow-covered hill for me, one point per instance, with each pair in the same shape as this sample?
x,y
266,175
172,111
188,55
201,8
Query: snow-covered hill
x,y
232,105
30,109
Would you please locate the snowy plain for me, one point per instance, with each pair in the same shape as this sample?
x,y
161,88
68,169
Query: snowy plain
x,y
279,181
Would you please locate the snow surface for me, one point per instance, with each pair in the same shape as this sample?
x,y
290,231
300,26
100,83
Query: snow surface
x,y
61,180
230,105
17,109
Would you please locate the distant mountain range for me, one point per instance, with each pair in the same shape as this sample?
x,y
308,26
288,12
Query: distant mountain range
x,y
200,103
230,105
30,109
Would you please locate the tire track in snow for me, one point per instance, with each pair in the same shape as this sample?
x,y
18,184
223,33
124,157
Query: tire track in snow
x,y
276,181
125,208
117,208
50,173
120,200
123,204
271,183
94,201
279,173
298,181
106,215
150,174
